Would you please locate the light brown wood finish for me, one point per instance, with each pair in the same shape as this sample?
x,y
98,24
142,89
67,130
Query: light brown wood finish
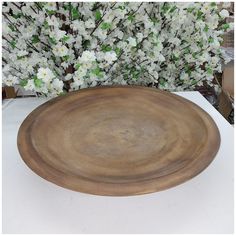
x,y
118,140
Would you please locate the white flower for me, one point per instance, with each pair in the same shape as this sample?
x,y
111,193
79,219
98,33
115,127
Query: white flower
x,y
10,80
76,84
30,85
156,75
79,25
60,50
184,76
135,42
212,21
51,6
139,37
68,77
78,42
206,8
215,44
132,41
160,58
5,28
214,60
87,56
100,55
148,23
28,31
159,46
120,34
94,43
6,68
224,13
89,24
57,84
175,41
110,57
45,74
81,72
64,64
101,34
53,21
59,34
22,53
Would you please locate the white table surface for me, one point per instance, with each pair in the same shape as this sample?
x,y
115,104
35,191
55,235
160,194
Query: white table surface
x,y
32,205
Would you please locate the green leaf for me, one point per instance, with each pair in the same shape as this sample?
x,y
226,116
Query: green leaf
x,y
75,14
131,17
225,26
187,69
53,58
165,7
52,40
62,93
194,55
65,58
86,44
18,58
173,9
45,25
98,15
105,25
213,4
122,7
199,15
155,20
65,38
190,10
117,51
17,16
142,69
175,58
77,66
209,71
151,34
37,82
200,44
12,28
35,39
206,28
210,40
50,12
96,71
23,82
162,81
67,7
13,43
135,74
106,48
187,50
193,81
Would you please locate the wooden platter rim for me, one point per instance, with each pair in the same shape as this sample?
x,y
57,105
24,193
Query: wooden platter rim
x,y
113,189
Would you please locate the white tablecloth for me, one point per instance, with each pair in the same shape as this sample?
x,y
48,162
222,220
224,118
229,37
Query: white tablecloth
x,y
33,205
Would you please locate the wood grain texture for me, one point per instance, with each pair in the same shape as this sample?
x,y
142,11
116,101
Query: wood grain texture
x,y
118,141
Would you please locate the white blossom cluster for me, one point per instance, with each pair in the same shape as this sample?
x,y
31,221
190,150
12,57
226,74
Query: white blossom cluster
x,y
52,48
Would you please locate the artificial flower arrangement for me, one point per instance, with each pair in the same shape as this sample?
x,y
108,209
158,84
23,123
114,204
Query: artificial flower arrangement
x,y
55,47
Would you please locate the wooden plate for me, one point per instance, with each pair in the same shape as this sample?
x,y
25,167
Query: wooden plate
x,y
118,140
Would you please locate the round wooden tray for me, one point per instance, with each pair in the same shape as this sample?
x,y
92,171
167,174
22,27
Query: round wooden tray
x,y
118,140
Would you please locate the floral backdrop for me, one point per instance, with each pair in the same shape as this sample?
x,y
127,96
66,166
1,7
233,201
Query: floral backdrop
x,y
52,48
